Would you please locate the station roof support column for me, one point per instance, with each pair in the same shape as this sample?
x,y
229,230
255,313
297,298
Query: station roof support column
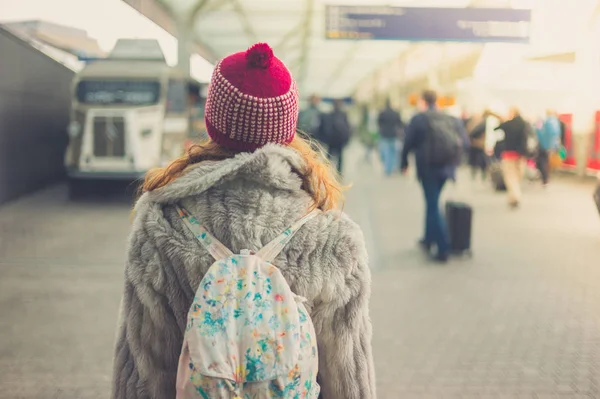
x,y
586,85
184,42
185,17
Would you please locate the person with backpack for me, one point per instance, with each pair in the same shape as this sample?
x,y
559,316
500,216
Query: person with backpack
x,y
549,139
514,152
242,277
390,129
368,133
438,141
337,132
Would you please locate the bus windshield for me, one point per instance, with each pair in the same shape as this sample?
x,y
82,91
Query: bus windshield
x,y
122,92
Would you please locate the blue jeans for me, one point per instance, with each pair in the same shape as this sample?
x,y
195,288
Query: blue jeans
x,y
336,157
435,225
389,154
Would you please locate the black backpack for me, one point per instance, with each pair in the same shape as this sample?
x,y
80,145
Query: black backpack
x,y
339,133
443,144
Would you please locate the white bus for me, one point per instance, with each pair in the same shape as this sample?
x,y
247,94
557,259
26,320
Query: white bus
x,y
130,112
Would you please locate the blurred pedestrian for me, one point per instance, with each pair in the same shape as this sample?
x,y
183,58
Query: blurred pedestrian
x,y
549,139
438,141
310,120
390,130
369,133
563,132
513,154
478,159
466,118
336,133
245,186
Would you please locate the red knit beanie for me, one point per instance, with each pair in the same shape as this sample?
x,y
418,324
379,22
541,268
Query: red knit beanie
x,y
252,101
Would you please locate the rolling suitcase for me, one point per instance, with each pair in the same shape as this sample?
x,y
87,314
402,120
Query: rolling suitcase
x,y
459,217
497,177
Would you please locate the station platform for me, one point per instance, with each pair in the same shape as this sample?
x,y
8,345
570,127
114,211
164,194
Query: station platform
x,y
520,319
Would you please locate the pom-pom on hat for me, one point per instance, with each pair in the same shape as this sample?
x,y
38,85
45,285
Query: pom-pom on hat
x,y
252,101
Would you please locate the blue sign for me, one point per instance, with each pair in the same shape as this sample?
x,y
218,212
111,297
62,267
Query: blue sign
x,y
428,24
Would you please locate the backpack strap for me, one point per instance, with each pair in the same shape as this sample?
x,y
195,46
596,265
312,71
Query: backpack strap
x,y
208,241
274,248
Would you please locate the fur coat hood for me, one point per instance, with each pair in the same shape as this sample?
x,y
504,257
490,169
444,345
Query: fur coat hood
x,y
245,202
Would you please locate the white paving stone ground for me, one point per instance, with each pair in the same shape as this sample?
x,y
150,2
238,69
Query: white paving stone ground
x,y
521,319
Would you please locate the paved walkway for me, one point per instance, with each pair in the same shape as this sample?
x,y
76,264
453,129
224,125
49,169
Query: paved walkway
x,y
521,319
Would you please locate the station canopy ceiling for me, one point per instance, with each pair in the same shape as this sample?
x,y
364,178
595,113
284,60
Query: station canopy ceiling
x,y
296,31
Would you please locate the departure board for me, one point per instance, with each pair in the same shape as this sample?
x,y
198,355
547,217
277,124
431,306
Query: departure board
x,y
428,24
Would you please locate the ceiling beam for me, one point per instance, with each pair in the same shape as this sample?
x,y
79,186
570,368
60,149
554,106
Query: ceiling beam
x,y
194,11
416,47
158,12
213,6
305,41
403,60
282,44
245,21
341,66
234,35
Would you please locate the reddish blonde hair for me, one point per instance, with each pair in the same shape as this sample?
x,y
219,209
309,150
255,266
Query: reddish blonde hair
x,y
319,179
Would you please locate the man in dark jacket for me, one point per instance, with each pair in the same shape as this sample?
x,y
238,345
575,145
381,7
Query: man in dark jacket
x,y
514,152
433,175
390,127
336,133
478,160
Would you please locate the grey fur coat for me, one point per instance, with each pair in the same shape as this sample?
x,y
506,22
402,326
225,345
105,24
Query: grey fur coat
x,y
245,202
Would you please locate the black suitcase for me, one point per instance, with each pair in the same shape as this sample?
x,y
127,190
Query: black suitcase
x,y
497,177
459,217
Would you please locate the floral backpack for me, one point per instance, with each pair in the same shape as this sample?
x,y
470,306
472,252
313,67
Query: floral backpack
x,y
248,336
